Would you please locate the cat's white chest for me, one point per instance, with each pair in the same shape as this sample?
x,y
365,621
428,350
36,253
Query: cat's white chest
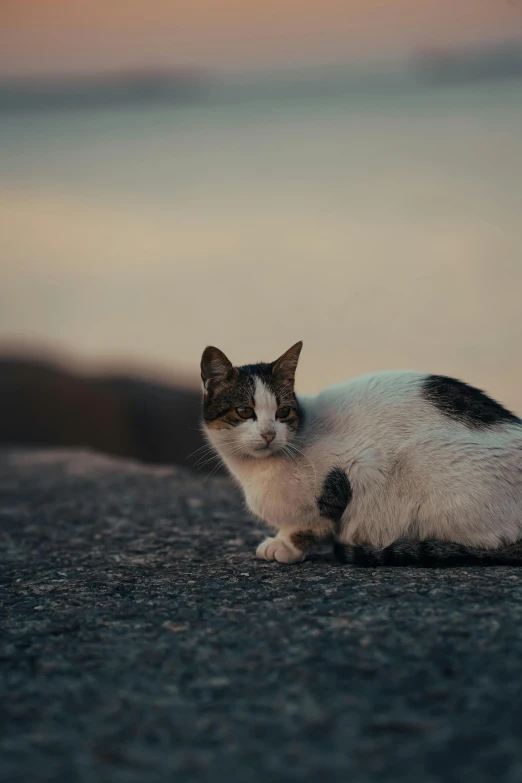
x,y
279,499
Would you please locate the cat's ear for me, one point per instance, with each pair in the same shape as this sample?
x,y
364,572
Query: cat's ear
x,y
285,367
215,367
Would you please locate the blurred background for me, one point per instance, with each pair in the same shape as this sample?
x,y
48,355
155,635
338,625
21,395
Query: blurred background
x,y
247,174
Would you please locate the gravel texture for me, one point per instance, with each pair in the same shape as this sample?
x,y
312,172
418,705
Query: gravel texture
x,y
141,641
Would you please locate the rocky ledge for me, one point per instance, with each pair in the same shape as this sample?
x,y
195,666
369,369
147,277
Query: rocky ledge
x,y
141,641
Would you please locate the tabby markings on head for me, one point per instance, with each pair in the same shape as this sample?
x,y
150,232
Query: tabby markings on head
x,y
264,385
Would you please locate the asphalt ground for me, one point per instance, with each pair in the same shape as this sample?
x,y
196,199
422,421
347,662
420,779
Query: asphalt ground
x,y
141,640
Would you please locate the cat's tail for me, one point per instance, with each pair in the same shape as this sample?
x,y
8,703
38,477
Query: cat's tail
x,y
428,554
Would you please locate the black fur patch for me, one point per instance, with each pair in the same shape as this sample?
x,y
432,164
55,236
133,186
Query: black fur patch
x,y
262,370
335,495
465,403
428,554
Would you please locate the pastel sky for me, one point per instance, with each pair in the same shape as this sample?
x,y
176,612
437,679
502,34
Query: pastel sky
x,y
55,36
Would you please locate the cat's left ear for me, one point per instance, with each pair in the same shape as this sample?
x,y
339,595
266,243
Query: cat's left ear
x,y
285,367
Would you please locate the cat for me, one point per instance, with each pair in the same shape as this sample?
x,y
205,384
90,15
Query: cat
x,y
383,458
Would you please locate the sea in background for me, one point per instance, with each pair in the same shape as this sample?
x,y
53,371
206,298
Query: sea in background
x,y
380,224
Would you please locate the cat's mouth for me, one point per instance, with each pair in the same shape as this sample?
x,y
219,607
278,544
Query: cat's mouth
x,y
265,449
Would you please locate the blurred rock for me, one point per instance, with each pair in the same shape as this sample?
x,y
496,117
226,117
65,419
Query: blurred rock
x,y
483,63
43,404
109,90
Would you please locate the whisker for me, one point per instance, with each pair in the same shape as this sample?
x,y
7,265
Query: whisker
x,y
204,446
289,454
219,465
208,449
208,462
237,450
206,454
307,459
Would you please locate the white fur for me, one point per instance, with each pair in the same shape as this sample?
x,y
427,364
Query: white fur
x,y
414,472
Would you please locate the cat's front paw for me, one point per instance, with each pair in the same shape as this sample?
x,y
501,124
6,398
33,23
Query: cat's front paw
x,y
277,549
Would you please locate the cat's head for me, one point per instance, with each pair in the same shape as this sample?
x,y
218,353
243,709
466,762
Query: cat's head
x,y
250,411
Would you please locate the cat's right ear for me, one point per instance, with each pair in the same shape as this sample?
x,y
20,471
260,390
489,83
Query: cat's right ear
x,y
215,368
285,367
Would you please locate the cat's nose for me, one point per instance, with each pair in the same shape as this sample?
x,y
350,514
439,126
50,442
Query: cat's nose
x,y
268,436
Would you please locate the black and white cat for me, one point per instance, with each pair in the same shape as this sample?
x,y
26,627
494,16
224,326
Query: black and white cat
x,y
384,457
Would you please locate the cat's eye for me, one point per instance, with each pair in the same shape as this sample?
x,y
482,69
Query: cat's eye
x,y
283,412
245,413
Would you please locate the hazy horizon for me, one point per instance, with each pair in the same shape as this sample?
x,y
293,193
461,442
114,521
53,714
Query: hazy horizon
x,y
381,226
383,230
67,36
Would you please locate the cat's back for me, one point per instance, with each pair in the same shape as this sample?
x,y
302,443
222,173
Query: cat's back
x,y
374,389
375,399
401,404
